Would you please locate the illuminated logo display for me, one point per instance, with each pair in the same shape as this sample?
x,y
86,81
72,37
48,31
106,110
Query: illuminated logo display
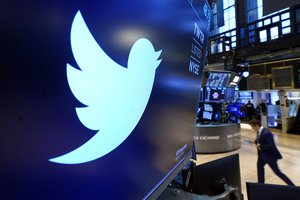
x,y
115,97
215,95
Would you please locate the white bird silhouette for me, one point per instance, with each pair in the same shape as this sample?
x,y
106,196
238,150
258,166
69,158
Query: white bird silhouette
x,y
115,97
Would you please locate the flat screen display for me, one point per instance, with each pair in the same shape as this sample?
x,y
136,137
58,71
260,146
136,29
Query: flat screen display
x,y
98,98
207,175
261,191
218,79
215,94
207,115
208,107
245,95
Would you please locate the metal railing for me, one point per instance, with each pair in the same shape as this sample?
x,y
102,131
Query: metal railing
x,y
266,29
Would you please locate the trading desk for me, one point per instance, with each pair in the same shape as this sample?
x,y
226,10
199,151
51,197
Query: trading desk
x,y
217,138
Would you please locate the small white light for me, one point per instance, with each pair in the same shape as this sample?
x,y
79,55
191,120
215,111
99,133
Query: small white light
x,y
245,74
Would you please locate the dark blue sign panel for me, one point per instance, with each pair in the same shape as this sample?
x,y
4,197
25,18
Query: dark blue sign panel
x,y
98,98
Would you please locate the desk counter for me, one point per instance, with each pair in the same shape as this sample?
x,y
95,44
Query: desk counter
x,y
217,138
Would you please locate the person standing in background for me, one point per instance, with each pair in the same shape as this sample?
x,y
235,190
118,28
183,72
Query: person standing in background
x,y
263,107
250,110
267,153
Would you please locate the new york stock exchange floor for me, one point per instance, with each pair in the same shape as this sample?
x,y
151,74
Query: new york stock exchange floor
x,y
288,145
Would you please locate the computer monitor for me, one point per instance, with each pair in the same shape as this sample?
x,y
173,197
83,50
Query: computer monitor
x,y
260,191
245,95
207,115
208,107
206,175
98,98
215,94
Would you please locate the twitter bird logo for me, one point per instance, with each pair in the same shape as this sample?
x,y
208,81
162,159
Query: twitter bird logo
x,y
115,97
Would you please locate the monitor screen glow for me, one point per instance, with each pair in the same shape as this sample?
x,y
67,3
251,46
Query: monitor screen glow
x,y
215,94
207,115
75,75
218,79
245,95
208,107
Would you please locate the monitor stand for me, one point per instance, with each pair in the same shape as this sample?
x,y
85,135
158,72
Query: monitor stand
x,y
178,194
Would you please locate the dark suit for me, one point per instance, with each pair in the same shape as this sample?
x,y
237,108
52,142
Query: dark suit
x,y
268,154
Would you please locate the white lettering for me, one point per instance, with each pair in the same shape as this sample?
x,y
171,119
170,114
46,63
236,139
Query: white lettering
x,y
196,51
209,137
198,33
194,68
233,135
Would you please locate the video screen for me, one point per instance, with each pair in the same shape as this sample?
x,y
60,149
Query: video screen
x,y
245,95
261,191
91,89
215,94
218,79
208,107
207,115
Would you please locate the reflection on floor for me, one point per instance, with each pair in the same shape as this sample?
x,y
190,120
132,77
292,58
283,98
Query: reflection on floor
x,y
288,145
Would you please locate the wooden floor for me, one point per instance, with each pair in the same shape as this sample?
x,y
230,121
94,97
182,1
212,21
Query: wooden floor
x,y
288,145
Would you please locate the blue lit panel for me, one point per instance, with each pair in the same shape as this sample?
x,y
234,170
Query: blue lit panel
x,y
99,98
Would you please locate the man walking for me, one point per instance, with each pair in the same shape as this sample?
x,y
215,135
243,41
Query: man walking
x,y
267,153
